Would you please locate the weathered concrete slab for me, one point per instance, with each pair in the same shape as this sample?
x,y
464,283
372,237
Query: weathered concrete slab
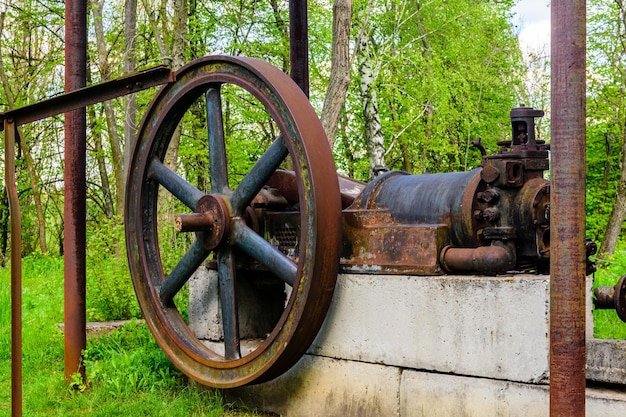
x,y
424,346
436,395
429,395
606,361
318,386
492,327
261,299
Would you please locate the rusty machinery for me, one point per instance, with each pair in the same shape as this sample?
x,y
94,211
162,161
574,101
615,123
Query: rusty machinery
x,y
296,228
287,223
290,224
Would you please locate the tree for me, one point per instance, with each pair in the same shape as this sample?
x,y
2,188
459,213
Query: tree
x,y
31,50
373,126
340,63
607,122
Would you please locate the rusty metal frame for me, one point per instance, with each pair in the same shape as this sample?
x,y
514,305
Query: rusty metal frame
x,y
10,135
87,96
9,122
567,265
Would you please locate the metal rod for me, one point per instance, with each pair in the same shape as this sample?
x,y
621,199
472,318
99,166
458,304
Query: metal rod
x,y
299,43
10,135
75,190
86,96
567,260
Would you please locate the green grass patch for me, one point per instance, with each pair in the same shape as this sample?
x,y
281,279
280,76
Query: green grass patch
x,y
127,374
606,323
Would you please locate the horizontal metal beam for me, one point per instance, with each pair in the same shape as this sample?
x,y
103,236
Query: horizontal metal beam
x,y
87,96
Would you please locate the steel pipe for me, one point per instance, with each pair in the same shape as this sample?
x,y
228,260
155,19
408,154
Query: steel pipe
x,y
10,139
74,176
499,257
299,44
567,260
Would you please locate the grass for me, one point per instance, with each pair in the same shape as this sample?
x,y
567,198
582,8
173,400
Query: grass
x,y
127,374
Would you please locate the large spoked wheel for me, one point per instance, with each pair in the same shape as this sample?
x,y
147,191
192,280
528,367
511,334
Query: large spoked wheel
x,y
216,221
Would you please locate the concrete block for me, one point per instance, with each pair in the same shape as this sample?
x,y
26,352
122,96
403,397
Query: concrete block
x,y
438,395
493,327
606,360
318,386
205,318
260,299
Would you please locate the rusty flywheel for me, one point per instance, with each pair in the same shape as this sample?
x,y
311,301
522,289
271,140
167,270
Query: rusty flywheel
x,y
216,219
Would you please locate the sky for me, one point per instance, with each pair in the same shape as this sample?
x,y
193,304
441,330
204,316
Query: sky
x,y
533,18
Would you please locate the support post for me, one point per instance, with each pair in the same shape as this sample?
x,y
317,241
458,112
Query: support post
x,y
567,258
10,139
299,43
75,190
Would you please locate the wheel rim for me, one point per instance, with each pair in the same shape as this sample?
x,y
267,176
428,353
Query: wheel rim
x,y
311,274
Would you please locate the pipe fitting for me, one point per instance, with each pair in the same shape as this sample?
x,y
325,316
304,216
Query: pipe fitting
x,y
497,258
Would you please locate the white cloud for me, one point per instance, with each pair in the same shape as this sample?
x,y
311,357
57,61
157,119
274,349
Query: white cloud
x,y
533,18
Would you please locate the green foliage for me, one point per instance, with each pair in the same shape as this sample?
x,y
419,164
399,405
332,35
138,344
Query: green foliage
x,y
128,362
110,294
447,73
606,111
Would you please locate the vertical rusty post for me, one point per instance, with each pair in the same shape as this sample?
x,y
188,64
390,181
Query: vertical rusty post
x,y
567,258
75,189
10,136
299,43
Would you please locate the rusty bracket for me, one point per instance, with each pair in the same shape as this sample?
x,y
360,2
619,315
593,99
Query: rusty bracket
x,y
86,96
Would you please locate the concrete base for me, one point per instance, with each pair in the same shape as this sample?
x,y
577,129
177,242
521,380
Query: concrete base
x,y
431,346
319,386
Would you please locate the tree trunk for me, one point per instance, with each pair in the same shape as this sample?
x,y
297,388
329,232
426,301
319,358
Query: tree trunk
x,y
618,214
109,211
114,140
179,41
373,126
339,68
130,113
30,164
283,28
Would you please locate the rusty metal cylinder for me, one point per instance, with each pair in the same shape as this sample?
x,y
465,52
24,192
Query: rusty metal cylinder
x,y
476,210
428,199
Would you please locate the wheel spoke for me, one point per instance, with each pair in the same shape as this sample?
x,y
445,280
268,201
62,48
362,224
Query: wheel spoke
x,y
183,270
217,147
228,299
176,185
261,250
258,175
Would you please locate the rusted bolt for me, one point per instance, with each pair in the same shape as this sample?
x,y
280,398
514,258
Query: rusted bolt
x,y
488,196
489,174
491,214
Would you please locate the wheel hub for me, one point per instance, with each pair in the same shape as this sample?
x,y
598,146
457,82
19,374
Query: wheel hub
x,y
210,221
